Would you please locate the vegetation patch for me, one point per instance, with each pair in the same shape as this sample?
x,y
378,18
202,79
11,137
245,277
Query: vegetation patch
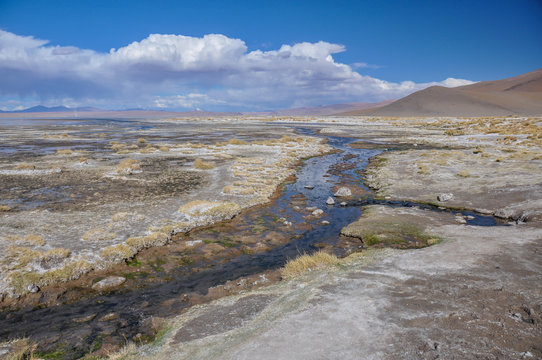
x,y
306,263
203,165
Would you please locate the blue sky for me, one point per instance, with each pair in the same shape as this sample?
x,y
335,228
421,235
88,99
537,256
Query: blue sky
x,y
264,54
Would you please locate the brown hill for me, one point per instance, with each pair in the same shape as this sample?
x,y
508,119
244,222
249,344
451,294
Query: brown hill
x,y
519,95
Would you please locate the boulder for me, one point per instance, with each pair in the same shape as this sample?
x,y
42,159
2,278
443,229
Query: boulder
x,y
109,282
318,212
343,191
445,197
330,201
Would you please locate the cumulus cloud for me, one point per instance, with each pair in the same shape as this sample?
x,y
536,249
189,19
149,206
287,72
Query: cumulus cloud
x,y
175,71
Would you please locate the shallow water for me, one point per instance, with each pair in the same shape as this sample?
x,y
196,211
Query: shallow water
x,y
133,306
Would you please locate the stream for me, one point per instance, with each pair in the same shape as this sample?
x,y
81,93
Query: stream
x,y
54,327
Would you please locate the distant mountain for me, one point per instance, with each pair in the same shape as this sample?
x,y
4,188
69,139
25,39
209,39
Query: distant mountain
x,y
519,95
322,110
42,109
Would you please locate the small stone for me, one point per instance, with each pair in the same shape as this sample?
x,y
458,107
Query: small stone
x,y
343,191
318,212
109,317
460,220
330,201
469,217
344,203
83,319
445,197
33,288
324,222
310,187
109,282
311,208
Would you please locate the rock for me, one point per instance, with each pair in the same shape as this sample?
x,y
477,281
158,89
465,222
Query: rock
x,y
324,222
507,214
344,203
445,197
483,211
109,317
343,191
330,201
310,187
84,318
33,288
460,219
109,282
318,212
469,217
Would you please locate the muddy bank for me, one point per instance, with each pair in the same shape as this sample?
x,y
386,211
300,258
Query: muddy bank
x,y
475,295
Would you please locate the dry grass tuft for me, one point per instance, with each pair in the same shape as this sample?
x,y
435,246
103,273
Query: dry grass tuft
x,y
127,352
64,152
214,209
237,190
98,235
117,253
203,165
464,174
305,263
24,166
120,216
128,166
19,349
141,141
34,239
4,208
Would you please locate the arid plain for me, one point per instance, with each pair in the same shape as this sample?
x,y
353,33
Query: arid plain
x,y
420,227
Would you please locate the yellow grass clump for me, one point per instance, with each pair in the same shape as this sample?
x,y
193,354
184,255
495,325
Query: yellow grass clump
x,y
120,216
21,279
164,148
34,239
98,235
305,263
19,349
203,165
24,166
4,208
117,146
237,190
64,152
215,209
117,253
237,142
128,166
141,141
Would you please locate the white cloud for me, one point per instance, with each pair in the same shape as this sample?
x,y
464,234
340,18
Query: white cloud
x,y
175,71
